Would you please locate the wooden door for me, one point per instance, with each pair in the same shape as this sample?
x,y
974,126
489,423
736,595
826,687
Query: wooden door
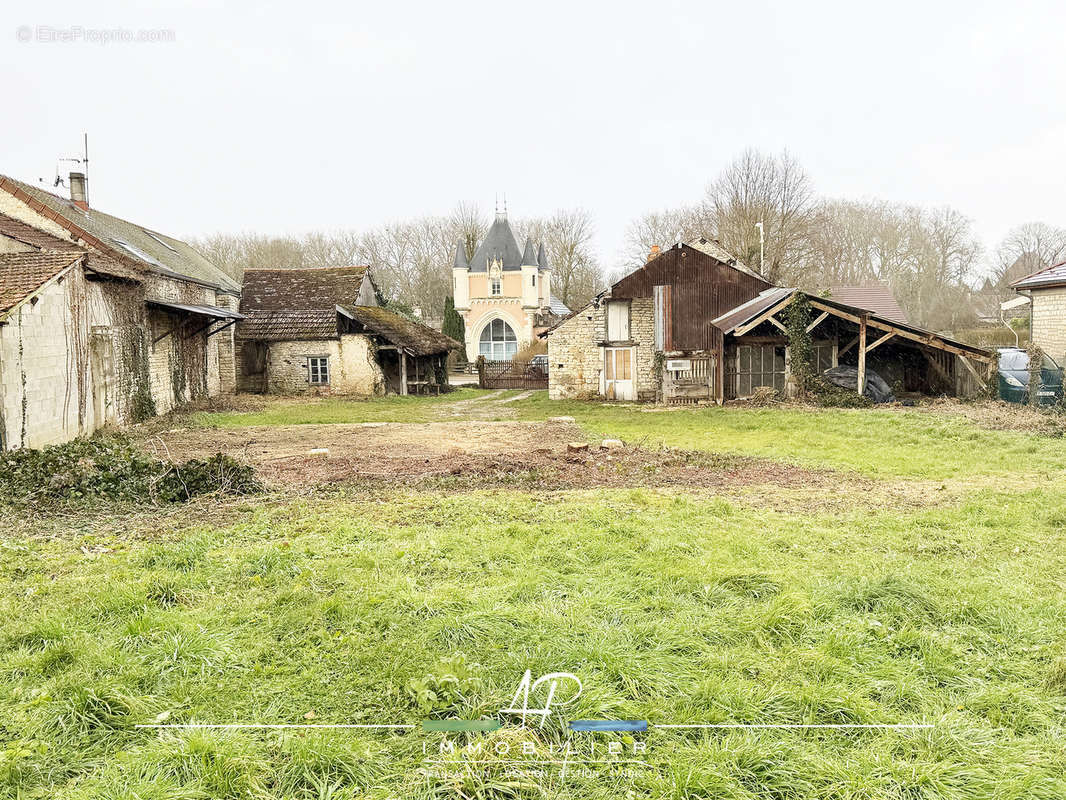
x,y
618,373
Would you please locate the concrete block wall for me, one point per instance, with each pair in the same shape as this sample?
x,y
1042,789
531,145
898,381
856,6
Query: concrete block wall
x,y
1049,322
353,368
39,363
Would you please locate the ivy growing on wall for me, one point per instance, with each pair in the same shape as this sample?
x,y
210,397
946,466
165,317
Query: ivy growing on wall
x,y
797,316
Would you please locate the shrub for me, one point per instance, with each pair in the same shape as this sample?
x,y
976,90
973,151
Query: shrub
x,y
111,468
830,395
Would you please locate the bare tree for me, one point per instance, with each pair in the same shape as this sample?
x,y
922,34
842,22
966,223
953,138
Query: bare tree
x,y
567,237
663,228
773,190
1027,249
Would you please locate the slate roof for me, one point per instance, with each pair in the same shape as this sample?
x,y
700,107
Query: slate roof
x,y
1045,278
399,330
499,243
877,298
154,251
301,289
557,306
21,274
529,255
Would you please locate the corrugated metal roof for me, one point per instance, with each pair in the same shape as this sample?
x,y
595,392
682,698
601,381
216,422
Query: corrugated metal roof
x,y
746,312
161,253
206,311
877,298
1046,278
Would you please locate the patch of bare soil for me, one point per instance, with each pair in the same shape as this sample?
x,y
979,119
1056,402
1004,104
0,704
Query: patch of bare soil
x,y
521,455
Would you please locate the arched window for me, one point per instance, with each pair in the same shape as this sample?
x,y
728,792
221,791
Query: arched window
x,y
498,342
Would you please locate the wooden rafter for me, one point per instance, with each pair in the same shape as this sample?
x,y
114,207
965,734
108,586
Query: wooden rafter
x,y
817,321
767,314
930,339
882,340
847,347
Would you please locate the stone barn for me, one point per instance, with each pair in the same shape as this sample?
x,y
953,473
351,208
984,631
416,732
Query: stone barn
x,y
322,331
694,324
103,322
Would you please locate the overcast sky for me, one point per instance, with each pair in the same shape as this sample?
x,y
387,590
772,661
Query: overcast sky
x,y
286,117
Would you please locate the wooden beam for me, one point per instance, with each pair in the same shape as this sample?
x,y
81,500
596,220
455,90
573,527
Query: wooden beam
x,y
929,339
936,366
759,320
847,347
817,321
861,381
403,371
778,324
882,340
966,363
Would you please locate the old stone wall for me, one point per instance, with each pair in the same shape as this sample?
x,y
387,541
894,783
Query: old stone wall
x,y
575,352
1049,322
353,368
575,360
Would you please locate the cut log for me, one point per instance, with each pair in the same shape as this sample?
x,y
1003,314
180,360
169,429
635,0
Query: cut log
x,y
577,447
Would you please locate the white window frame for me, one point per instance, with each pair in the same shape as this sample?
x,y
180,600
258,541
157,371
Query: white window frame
x,y
618,321
495,286
318,374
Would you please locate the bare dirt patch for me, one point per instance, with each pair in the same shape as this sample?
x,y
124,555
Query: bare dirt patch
x,y
519,455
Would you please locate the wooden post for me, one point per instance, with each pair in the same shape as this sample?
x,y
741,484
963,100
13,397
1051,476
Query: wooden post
x,y
403,371
862,354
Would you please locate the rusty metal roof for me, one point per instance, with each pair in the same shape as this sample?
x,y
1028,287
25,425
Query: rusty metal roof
x,y
746,312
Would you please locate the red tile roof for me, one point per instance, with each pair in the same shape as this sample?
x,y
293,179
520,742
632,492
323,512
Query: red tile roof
x,y
877,298
22,274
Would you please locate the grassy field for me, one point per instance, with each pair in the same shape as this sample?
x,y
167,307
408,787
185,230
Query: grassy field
x,y
673,606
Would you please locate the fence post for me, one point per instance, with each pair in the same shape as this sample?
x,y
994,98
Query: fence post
x,y
481,371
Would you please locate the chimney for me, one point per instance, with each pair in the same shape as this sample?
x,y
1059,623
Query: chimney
x,y
655,250
77,190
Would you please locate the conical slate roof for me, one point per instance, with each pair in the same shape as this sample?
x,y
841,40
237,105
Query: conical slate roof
x,y
542,260
499,243
529,258
460,256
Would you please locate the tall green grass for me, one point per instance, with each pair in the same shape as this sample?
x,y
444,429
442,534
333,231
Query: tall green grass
x,y
672,607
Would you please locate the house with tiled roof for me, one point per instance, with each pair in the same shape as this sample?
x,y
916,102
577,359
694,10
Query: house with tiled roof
x,y
102,321
1047,290
322,331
